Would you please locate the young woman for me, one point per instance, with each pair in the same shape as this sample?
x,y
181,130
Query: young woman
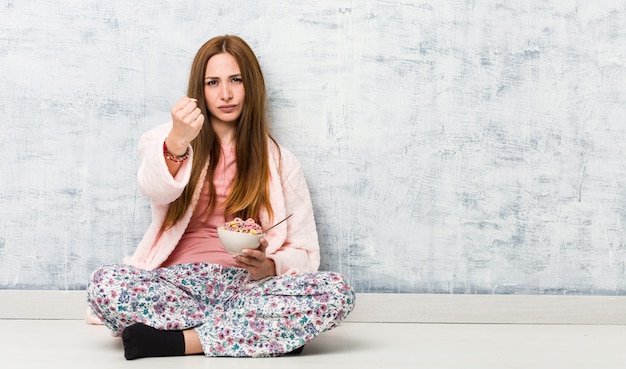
x,y
181,292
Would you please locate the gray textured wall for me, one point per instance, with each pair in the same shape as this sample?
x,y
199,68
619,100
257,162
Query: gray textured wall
x,y
450,146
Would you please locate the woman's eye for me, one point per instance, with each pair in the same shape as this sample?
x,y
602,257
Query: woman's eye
x,y
237,80
211,83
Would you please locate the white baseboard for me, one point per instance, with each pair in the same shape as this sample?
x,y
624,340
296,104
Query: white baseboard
x,y
490,309
393,308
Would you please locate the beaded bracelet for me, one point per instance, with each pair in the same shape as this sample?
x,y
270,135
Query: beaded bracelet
x,y
175,158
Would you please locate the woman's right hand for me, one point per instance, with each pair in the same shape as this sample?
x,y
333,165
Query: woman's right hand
x,y
187,121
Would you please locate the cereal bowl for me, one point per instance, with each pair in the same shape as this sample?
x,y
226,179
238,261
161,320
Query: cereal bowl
x,y
235,242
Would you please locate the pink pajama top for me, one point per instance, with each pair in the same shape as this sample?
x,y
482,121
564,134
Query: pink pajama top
x,y
200,243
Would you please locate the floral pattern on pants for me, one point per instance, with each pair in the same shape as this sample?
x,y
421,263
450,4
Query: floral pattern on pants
x,y
232,314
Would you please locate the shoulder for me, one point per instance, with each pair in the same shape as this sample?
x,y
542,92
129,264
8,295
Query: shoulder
x,y
282,157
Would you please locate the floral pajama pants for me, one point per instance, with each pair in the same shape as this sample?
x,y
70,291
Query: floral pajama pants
x,y
232,314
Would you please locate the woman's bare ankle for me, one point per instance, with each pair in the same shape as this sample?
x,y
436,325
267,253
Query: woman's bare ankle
x,y
192,342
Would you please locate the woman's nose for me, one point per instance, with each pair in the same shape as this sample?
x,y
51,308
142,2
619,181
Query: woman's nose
x,y
226,93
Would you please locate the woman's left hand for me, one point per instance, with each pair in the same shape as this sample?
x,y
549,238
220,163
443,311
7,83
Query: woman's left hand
x,y
255,261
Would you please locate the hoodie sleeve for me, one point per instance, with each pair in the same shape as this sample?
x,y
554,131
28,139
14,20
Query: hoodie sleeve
x,y
153,177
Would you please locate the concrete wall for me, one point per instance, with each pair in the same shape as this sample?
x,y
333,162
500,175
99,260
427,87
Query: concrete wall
x,y
450,146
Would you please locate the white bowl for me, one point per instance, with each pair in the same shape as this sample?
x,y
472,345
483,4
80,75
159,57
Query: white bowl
x,y
235,242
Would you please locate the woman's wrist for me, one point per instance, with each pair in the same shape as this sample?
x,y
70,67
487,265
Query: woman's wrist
x,y
172,156
271,268
176,147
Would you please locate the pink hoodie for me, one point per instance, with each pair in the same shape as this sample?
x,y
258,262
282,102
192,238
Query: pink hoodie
x,y
293,245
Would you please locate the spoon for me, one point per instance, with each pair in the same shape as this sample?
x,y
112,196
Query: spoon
x,y
288,216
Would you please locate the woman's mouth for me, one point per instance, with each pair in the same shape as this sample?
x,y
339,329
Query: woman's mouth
x,y
227,108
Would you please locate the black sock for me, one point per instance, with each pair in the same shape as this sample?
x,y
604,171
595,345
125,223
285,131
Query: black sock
x,y
143,341
297,351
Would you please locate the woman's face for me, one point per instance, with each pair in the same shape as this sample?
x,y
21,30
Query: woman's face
x,y
223,89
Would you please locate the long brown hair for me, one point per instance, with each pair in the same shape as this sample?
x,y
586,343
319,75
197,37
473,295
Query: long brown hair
x,y
250,189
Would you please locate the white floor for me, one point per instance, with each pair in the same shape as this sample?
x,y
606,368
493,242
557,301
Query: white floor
x,y
74,344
